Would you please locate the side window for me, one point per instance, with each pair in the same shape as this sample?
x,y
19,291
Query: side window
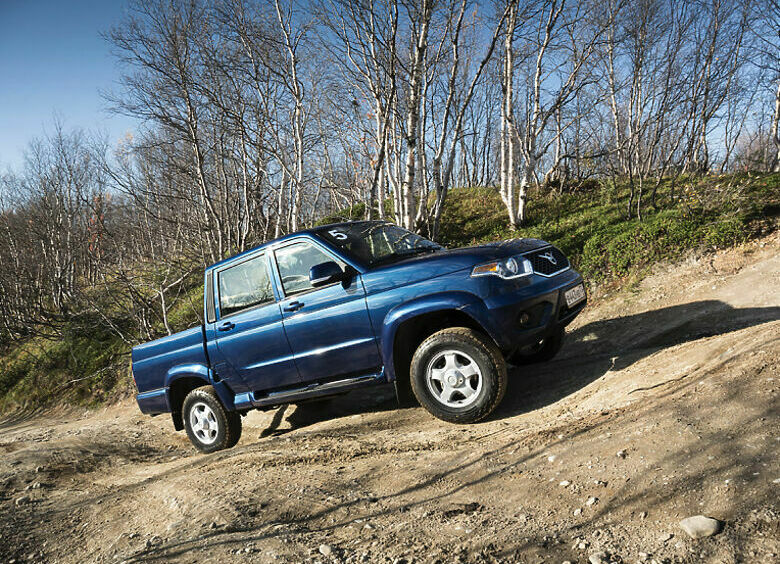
x,y
244,285
294,262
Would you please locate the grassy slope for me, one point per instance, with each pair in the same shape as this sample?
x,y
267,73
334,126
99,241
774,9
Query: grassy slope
x,y
81,368
588,226
592,228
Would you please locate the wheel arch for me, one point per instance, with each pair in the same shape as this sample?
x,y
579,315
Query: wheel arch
x,y
406,326
177,391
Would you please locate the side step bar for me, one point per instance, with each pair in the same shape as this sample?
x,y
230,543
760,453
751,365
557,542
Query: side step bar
x,y
316,390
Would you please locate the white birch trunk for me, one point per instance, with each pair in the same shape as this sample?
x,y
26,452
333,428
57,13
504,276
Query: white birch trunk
x,y
413,118
775,132
507,120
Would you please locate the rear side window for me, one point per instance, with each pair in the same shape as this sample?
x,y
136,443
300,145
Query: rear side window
x,y
294,262
244,285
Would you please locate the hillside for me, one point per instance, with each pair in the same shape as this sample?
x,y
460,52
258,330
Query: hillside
x,y
88,364
663,404
590,225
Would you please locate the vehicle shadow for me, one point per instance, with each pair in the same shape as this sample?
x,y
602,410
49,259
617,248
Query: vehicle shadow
x,y
588,353
292,417
594,349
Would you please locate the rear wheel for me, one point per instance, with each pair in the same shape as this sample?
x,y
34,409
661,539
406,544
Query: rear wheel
x,y
541,351
458,375
210,427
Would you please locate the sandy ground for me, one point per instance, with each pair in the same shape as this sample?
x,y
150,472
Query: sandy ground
x,y
663,404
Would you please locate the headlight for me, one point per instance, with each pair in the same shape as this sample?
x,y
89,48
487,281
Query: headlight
x,y
513,267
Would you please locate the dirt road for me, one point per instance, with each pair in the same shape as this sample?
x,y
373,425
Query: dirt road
x,y
662,405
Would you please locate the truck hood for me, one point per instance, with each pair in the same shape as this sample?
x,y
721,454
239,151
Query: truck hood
x,y
445,261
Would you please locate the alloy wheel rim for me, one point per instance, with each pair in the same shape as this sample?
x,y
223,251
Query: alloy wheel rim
x,y
454,378
203,422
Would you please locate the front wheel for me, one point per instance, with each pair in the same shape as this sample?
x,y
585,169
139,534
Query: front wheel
x,y
209,426
458,375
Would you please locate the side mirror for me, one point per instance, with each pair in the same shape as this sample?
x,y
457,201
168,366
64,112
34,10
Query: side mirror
x,y
325,273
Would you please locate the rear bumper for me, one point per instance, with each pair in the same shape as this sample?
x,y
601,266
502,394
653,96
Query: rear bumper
x,y
153,402
533,311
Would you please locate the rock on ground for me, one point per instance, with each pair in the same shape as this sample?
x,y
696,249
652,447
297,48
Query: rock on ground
x,y
700,526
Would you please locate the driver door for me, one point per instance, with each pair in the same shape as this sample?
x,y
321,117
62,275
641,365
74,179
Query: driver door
x,y
328,328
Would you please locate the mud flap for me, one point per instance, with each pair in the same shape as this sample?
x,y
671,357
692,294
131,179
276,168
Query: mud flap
x,y
403,393
178,422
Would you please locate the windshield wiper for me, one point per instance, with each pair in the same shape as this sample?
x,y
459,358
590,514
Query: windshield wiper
x,y
416,251
405,253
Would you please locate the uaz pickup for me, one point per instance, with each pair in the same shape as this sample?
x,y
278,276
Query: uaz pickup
x,y
330,309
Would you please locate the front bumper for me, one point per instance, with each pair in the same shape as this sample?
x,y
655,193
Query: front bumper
x,y
534,308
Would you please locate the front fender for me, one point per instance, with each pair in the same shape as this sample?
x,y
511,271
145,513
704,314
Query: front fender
x,y
463,302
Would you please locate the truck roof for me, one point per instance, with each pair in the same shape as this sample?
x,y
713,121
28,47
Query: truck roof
x,y
309,231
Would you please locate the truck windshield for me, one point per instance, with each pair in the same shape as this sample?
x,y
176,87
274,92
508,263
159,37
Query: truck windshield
x,y
377,243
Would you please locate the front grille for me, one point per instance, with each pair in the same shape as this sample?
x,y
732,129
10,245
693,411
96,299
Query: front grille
x,y
548,261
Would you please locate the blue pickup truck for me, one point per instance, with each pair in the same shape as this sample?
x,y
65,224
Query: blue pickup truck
x,y
330,309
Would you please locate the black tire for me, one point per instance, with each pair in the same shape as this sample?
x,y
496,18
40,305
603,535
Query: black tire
x,y
224,427
468,346
542,351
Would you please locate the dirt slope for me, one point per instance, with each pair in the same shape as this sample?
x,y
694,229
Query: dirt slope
x,y
679,375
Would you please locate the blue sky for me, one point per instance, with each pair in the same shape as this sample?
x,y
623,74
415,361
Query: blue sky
x,y
53,61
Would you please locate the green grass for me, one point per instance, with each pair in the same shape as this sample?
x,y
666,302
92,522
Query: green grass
x,y
79,369
89,366
592,228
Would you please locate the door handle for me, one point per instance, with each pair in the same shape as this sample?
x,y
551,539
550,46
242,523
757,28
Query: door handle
x,y
227,326
293,306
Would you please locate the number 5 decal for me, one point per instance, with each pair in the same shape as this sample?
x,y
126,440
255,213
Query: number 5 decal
x,y
338,235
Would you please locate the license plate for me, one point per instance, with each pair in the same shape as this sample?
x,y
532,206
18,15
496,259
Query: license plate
x,y
574,295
